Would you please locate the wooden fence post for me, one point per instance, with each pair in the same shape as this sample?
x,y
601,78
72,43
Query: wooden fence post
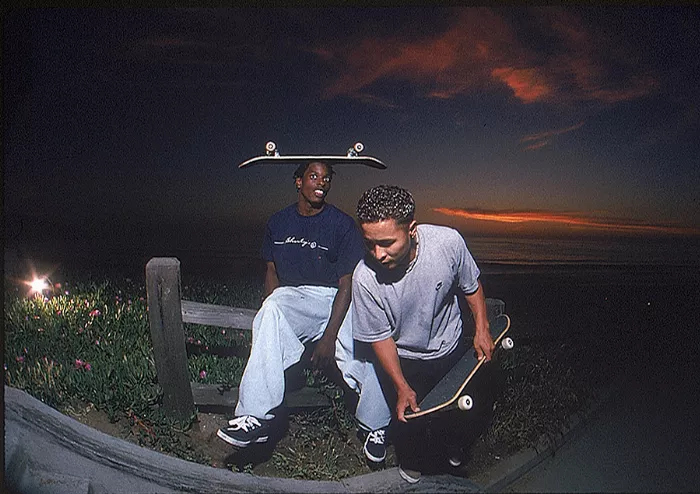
x,y
165,316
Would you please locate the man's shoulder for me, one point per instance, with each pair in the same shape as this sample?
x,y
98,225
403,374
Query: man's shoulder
x,y
283,213
431,230
363,272
338,213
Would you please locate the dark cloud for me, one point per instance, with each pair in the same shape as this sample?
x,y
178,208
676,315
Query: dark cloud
x,y
484,49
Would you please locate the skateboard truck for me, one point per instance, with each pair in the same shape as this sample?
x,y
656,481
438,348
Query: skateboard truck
x,y
271,149
355,150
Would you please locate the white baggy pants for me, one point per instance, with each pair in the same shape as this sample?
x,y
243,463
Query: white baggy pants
x,y
289,318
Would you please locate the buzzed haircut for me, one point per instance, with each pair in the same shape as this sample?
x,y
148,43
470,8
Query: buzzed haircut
x,y
385,202
301,169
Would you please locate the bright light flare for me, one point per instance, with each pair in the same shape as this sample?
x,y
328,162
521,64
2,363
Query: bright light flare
x,y
38,285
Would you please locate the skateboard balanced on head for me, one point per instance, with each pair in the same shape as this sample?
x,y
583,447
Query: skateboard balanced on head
x,y
450,392
352,156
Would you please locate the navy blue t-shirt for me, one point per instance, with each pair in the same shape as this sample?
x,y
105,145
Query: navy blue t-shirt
x,y
312,250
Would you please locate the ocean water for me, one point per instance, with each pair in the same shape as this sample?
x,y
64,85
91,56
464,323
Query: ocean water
x,y
610,251
507,255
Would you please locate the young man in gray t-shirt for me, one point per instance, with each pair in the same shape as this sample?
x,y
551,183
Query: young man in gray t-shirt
x,y
406,304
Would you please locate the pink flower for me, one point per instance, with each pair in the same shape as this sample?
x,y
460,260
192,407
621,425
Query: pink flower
x,y
94,313
202,374
19,359
79,364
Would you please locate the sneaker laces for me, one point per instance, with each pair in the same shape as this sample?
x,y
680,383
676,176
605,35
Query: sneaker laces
x,y
377,437
246,422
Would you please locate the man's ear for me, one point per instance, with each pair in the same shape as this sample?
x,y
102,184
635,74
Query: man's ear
x,y
412,228
297,183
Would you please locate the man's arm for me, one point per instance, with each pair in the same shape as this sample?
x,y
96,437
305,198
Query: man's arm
x,y
324,353
482,336
389,359
271,279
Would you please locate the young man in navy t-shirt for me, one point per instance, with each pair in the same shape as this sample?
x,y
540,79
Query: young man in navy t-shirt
x,y
311,249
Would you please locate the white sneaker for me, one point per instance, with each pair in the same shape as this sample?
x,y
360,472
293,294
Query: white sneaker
x,y
410,476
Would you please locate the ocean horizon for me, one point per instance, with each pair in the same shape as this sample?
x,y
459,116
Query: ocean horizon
x,y
493,254
603,251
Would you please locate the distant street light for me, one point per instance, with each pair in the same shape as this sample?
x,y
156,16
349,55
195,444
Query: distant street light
x,y
38,285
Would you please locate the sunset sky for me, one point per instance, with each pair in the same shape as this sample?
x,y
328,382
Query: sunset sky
x,y
499,120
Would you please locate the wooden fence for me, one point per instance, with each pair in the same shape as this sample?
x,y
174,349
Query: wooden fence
x,y
167,312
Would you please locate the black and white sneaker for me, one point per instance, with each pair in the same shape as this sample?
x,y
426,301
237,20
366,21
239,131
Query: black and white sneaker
x,y
245,430
375,446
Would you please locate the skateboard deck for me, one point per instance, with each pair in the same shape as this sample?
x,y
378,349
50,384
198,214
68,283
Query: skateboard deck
x,y
272,157
449,393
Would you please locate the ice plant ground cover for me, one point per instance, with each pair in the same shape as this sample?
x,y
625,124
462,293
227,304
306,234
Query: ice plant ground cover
x,y
88,342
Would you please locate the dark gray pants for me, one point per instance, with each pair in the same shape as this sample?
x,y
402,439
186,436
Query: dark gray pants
x,y
423,441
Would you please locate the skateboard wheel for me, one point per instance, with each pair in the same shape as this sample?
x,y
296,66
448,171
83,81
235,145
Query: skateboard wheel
x,y
358,147
270,146
465,402
507,343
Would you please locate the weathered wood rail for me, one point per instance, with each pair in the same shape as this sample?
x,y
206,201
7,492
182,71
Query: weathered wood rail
x,y
217,315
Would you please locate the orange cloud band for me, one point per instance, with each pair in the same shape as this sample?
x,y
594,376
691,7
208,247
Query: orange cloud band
x,y
568,219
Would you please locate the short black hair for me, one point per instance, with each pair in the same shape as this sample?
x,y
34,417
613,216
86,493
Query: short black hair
x,y
301,169
385,202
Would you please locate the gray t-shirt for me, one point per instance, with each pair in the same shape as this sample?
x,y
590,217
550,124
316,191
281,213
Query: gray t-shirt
x,y
419,310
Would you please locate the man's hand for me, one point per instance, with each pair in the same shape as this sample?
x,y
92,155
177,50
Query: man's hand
x,y
405,398
324,353
483,344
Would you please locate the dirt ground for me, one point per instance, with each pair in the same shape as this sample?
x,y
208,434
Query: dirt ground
x,y
297,454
